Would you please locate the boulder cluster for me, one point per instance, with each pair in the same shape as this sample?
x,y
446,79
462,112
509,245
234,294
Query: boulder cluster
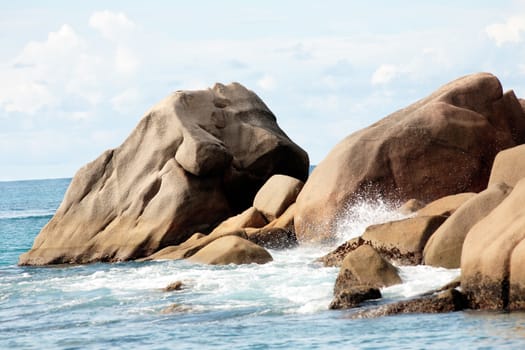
x,y
210,177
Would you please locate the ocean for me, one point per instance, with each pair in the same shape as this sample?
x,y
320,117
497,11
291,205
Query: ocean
x,y
279,305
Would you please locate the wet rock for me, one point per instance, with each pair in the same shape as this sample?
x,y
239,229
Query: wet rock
x,y
176,308
231,250
177,285
441,145
446,301
364,266
272,238
192,161
403,241
336,256
352,297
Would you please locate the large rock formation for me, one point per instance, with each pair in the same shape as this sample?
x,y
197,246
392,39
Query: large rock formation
x,y
441,145
194,159
443,249
492,257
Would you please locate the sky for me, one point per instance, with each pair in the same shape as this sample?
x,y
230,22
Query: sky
x,y
77,76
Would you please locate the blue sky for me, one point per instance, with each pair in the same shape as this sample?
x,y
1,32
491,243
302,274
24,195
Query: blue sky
x,y
76,77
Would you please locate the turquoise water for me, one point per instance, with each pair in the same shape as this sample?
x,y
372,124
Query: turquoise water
x,y
282,304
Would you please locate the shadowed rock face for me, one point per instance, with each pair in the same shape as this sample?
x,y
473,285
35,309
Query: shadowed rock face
x,y
493,254
441,145
194,159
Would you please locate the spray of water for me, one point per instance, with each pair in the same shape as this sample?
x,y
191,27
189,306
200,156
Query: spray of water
x,y
355,218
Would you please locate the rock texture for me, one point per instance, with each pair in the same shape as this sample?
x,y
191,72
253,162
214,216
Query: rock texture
x,y
361,275
509,166
276,195
354,296
231,250
364,266
194,159
403,241
272,238
446,301
411,206
492,258
443,249
446,205
441,145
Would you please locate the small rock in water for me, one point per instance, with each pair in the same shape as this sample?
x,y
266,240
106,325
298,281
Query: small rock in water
x,y
178,285
175,308
354,296
446,301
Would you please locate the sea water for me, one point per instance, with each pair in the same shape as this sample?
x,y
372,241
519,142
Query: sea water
x,y
279,305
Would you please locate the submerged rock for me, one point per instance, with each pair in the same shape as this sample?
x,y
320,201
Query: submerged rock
x,y
177,285
194,159
441,145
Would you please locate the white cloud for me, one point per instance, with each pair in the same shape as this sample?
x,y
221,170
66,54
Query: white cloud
x,y
113,26
508,32
267,82
384,74
28,82
126,62
126,101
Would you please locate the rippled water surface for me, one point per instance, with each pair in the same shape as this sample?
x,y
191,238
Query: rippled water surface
x,y
282,304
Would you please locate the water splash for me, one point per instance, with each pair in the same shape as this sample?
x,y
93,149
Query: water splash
x,y
357,217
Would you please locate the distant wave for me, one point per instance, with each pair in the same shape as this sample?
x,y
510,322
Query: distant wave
x,y
25,214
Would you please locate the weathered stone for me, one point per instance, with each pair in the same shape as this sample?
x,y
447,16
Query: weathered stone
x,y
354,296
195,159
364,266
231,250
272,238
446,205
177,285
403,241
251,217
191,246
492,255
443,249
411,206
285,221
336,256
446,301
509,166
276,195
441,145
